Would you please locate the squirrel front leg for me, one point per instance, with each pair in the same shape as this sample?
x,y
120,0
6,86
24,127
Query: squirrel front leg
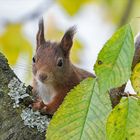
x,y
52,106
38,103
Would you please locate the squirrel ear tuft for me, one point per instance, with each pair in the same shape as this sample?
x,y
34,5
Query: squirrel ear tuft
x,y
40,35
67,40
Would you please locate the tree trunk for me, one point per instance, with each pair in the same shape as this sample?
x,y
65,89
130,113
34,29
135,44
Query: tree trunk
x,y
11,124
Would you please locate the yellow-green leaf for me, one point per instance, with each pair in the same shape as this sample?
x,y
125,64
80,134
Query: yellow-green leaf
x,y
135,78
82,116
124,121
113,65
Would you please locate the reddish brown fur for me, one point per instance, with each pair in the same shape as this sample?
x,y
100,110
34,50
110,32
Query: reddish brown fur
x,y
47,75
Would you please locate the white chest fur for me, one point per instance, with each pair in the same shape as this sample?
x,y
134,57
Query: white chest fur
x,y
45,92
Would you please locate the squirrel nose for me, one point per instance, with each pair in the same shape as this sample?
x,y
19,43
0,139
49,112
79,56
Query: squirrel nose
x,y
42,77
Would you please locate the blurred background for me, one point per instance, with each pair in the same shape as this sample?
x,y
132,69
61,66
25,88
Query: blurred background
x,y
96,21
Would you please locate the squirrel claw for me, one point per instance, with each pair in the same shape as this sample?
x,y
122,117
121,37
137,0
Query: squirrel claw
x,y
41,107
37,105
43,111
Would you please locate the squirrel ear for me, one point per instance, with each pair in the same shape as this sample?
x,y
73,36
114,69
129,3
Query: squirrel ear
x,y
67,40
40,35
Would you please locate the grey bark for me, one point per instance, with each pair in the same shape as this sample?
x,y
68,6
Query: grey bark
x,y
11,124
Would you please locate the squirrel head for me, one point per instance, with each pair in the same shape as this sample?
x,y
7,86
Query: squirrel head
x,y
51,61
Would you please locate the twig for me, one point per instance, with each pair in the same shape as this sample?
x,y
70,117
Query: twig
x,y
126,13
125,94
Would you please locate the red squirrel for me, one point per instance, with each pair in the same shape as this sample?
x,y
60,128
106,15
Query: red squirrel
x,y
53,73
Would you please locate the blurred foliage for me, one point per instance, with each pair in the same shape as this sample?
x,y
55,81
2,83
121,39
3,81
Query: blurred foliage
x,y
13,43
135,16
117,11
123,11
72,6
54,33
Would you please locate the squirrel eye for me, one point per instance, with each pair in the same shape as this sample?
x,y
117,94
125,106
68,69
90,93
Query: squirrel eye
x,y
60,62
33,59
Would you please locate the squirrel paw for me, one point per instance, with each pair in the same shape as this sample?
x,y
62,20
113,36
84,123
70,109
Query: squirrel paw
x,y
37,105
44,110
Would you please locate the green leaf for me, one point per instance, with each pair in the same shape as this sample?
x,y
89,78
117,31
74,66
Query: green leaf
x,y
135,78
72,6
82,115
113,66
124,121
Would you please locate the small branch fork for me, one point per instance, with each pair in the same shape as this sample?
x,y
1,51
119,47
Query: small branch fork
x,y
126,94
